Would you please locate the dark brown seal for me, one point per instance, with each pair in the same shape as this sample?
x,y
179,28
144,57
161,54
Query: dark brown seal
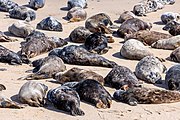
x,y
175,55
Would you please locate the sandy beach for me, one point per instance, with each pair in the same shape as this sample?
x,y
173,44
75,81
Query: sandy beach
x,y
118,111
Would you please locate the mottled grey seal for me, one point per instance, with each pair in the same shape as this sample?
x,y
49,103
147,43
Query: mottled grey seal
x,y
36,4
149,69
6,5
121,77
125,16
50,24
134,50
35,34
78,55
173,27
169,16
21,29
33,93
66,99
175,55
4,38
78,74
76,3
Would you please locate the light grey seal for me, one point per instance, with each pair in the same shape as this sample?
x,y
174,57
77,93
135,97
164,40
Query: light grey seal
x,y
76,3
6,5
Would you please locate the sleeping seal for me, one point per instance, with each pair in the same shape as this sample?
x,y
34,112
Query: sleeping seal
x,y
175,55
6,5
35,34
142,95
149,69
66,99
36,4
50,24
33,93
121,77
78,55
76,3
77,74
173,28
169,16
21,29
134,50
125,16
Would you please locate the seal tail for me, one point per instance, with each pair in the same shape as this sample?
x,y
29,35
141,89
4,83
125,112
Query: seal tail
x,y
10,104
2,87
35,76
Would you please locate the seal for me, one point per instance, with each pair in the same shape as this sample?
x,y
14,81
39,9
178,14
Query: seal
x,y
50,24
79,34
167,44
169,16
22,13
93,92
125,16
7,103
8,56
132,25
175,55
99,23
21,29
45,68
172,78
35,34
149,69
78,74
121,77
4,38
6,5
173,28
66,99
147,37
78,55
76,3
76,14
142,95
134,50
97,43
36,4
33,93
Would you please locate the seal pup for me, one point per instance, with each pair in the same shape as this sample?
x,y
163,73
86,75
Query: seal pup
x,y
4,38
6,5
121,77
132,25
78,55
8,56
147,37
46,68
22,13
99,23
36,4
76,14
173,28
169,16
21,29
93,92
76,3
7,103
134,50
50,24
97,43
142,95
79,34
167,44
66,99
78,74
172,78
175,55
125,16
149,69
33,93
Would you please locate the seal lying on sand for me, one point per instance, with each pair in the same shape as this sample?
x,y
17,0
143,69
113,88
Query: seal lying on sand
x,y
172,78
35,34
125,16
79,34
36,4
132,25
33,93
77,74
149,69
167,44
175,55
66,99
22,13
173,28
8,56
134,50
6,5
77,3
46,68
99,23
76,14
147,37
4,38
121,77
169,16
50,24
7,103
21,29
77,55
93,92
143,95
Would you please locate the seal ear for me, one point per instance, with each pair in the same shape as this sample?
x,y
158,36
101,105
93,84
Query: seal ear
x,y
2,87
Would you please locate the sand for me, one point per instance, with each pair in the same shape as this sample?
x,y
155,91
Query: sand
x,y
118,111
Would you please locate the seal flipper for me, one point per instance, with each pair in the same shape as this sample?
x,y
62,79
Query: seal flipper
x,y
76,111
6,103
2,87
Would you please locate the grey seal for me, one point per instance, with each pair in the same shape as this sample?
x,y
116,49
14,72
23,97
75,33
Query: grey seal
x,y
36,4
6,5
173,28
175,55
169,16
76,3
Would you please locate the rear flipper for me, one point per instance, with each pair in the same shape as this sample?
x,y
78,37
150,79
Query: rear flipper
x,y
35,76
77,111
6,103
104,103
2,87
